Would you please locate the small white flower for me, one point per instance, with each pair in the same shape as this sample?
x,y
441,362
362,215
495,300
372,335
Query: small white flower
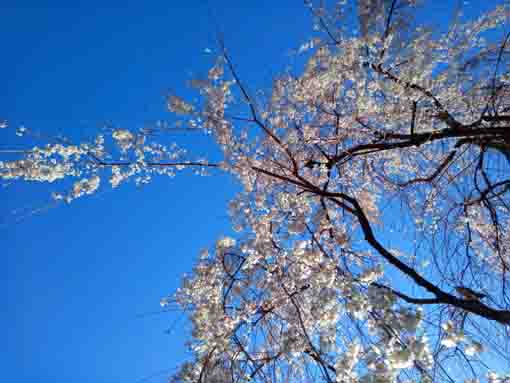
x,y
57,196
225,243
450,341
124,138
164,302
21,131
401,359
178,105
474,348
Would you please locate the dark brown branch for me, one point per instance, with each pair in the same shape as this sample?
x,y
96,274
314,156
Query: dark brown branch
x,y
253,109
475,307
407,298
157,164
408,140
413,118
442,166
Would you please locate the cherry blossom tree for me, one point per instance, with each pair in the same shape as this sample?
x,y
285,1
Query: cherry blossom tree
x,y
372,238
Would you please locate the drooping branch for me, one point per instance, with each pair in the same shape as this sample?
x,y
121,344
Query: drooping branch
x,y
475,307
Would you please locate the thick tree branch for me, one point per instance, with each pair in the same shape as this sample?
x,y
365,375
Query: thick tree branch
x,y
475,307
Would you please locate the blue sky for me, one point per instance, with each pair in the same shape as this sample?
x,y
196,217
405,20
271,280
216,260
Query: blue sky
x,y
77,277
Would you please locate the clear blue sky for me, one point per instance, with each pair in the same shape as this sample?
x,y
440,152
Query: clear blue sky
x,y
76,277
